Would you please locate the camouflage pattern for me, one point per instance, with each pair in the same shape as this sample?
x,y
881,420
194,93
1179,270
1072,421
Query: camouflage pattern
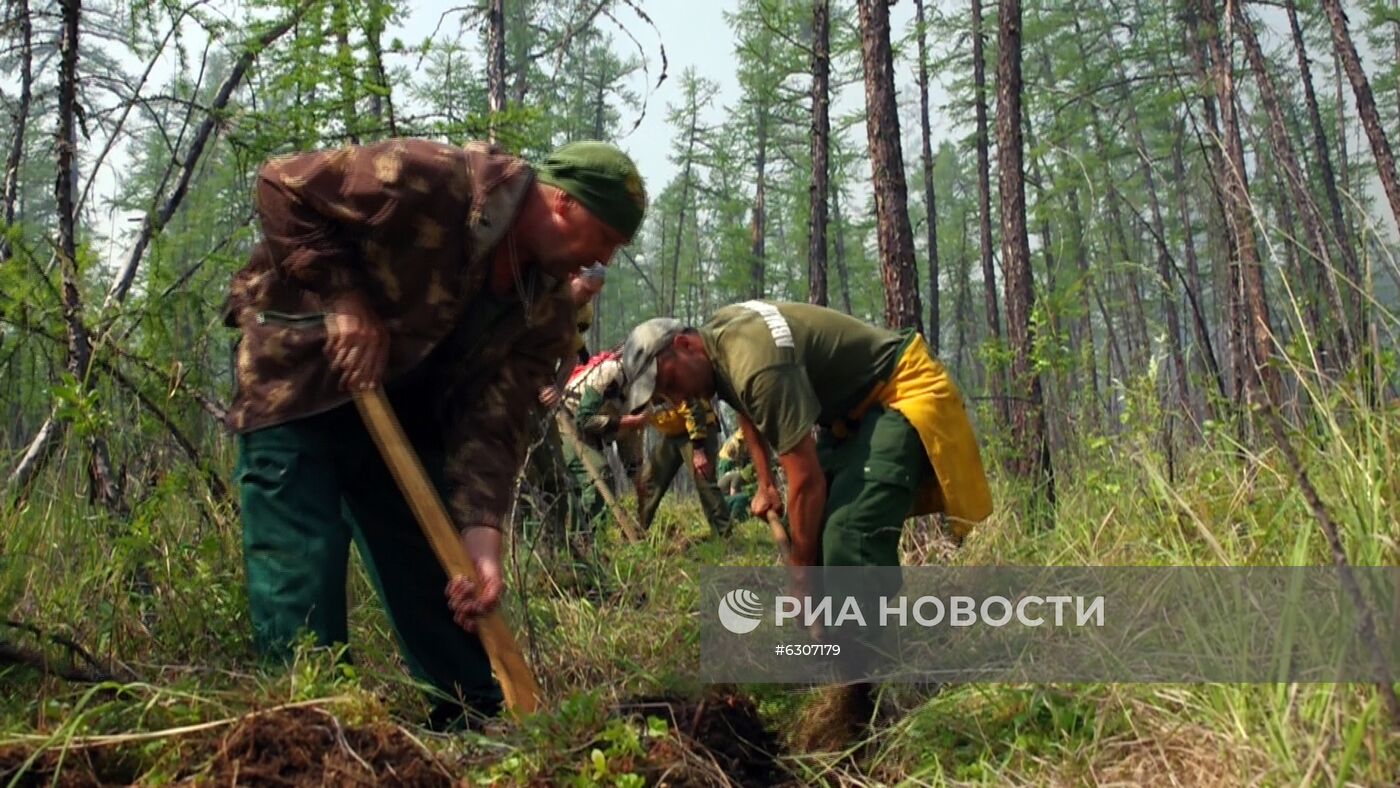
x,y
410,224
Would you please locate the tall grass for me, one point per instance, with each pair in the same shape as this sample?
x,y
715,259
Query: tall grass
x,y
161,596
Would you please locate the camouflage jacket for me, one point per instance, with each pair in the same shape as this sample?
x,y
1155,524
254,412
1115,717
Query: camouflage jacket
x,y
411,224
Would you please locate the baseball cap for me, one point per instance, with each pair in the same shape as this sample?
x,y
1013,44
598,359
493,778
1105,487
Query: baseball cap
x,y
639,354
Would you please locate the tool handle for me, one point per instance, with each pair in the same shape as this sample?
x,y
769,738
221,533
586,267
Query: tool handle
x,y
517,682
780,537
624,520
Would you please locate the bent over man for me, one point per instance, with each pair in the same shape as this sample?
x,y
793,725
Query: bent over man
x,y
440,273
894,438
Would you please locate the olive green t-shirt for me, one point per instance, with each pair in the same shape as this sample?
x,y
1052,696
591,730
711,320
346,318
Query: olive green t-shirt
x,y
791,366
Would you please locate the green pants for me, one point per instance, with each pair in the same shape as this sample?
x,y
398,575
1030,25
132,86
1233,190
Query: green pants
x,y
871,480
591,504
659,470
308,488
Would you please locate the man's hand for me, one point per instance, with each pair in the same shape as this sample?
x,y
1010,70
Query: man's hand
x,y
357,342
550,396
471,599
701,461
766,500
634,421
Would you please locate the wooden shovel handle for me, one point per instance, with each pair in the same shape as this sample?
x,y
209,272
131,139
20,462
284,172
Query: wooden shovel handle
x,y
780,537
517,682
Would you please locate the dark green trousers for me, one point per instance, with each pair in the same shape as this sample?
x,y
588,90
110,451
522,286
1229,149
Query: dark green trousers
x,y
310,487
591,504
663,462
872,477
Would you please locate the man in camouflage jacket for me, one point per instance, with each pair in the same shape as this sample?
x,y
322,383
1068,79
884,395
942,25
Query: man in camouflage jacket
x,y
439,272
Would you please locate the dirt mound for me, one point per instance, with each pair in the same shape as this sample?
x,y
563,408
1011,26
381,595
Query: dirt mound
x,y
286,747
307,746
719,740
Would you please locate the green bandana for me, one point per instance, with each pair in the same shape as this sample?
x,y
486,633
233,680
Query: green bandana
x,y
602,178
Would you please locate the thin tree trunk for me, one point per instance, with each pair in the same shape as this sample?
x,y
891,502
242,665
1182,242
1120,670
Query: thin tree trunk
x,y
821,164
839,247
381,106
1261,379
1296,181
1365,104
345,70
1031,460
1224,239
893,232
684,203
934,319
995,380
1341,232
495,63
105,485
20,117
1193,282
1086,320
963,309
758,228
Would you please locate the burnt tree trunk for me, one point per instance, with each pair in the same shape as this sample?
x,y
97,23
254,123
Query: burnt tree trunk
x,y
1365,103
995,380
1031,457
1341,232
106,487
895,236
930,205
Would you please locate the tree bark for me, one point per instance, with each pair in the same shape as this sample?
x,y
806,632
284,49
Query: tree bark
x,y
895,236
1031,459
1341,232
1261,379
106,486
995,379
1296,181
934,319
1365,103
821,164
382,107
495,63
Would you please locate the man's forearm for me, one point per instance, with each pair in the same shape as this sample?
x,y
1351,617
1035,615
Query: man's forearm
x,y
805,504
758,451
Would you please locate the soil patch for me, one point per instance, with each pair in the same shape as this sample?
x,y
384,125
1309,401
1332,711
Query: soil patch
x,y
286,747
719,740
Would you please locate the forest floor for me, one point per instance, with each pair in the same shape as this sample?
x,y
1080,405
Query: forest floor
x,y
157,599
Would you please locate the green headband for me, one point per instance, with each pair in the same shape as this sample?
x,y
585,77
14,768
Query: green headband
x,y
602,178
